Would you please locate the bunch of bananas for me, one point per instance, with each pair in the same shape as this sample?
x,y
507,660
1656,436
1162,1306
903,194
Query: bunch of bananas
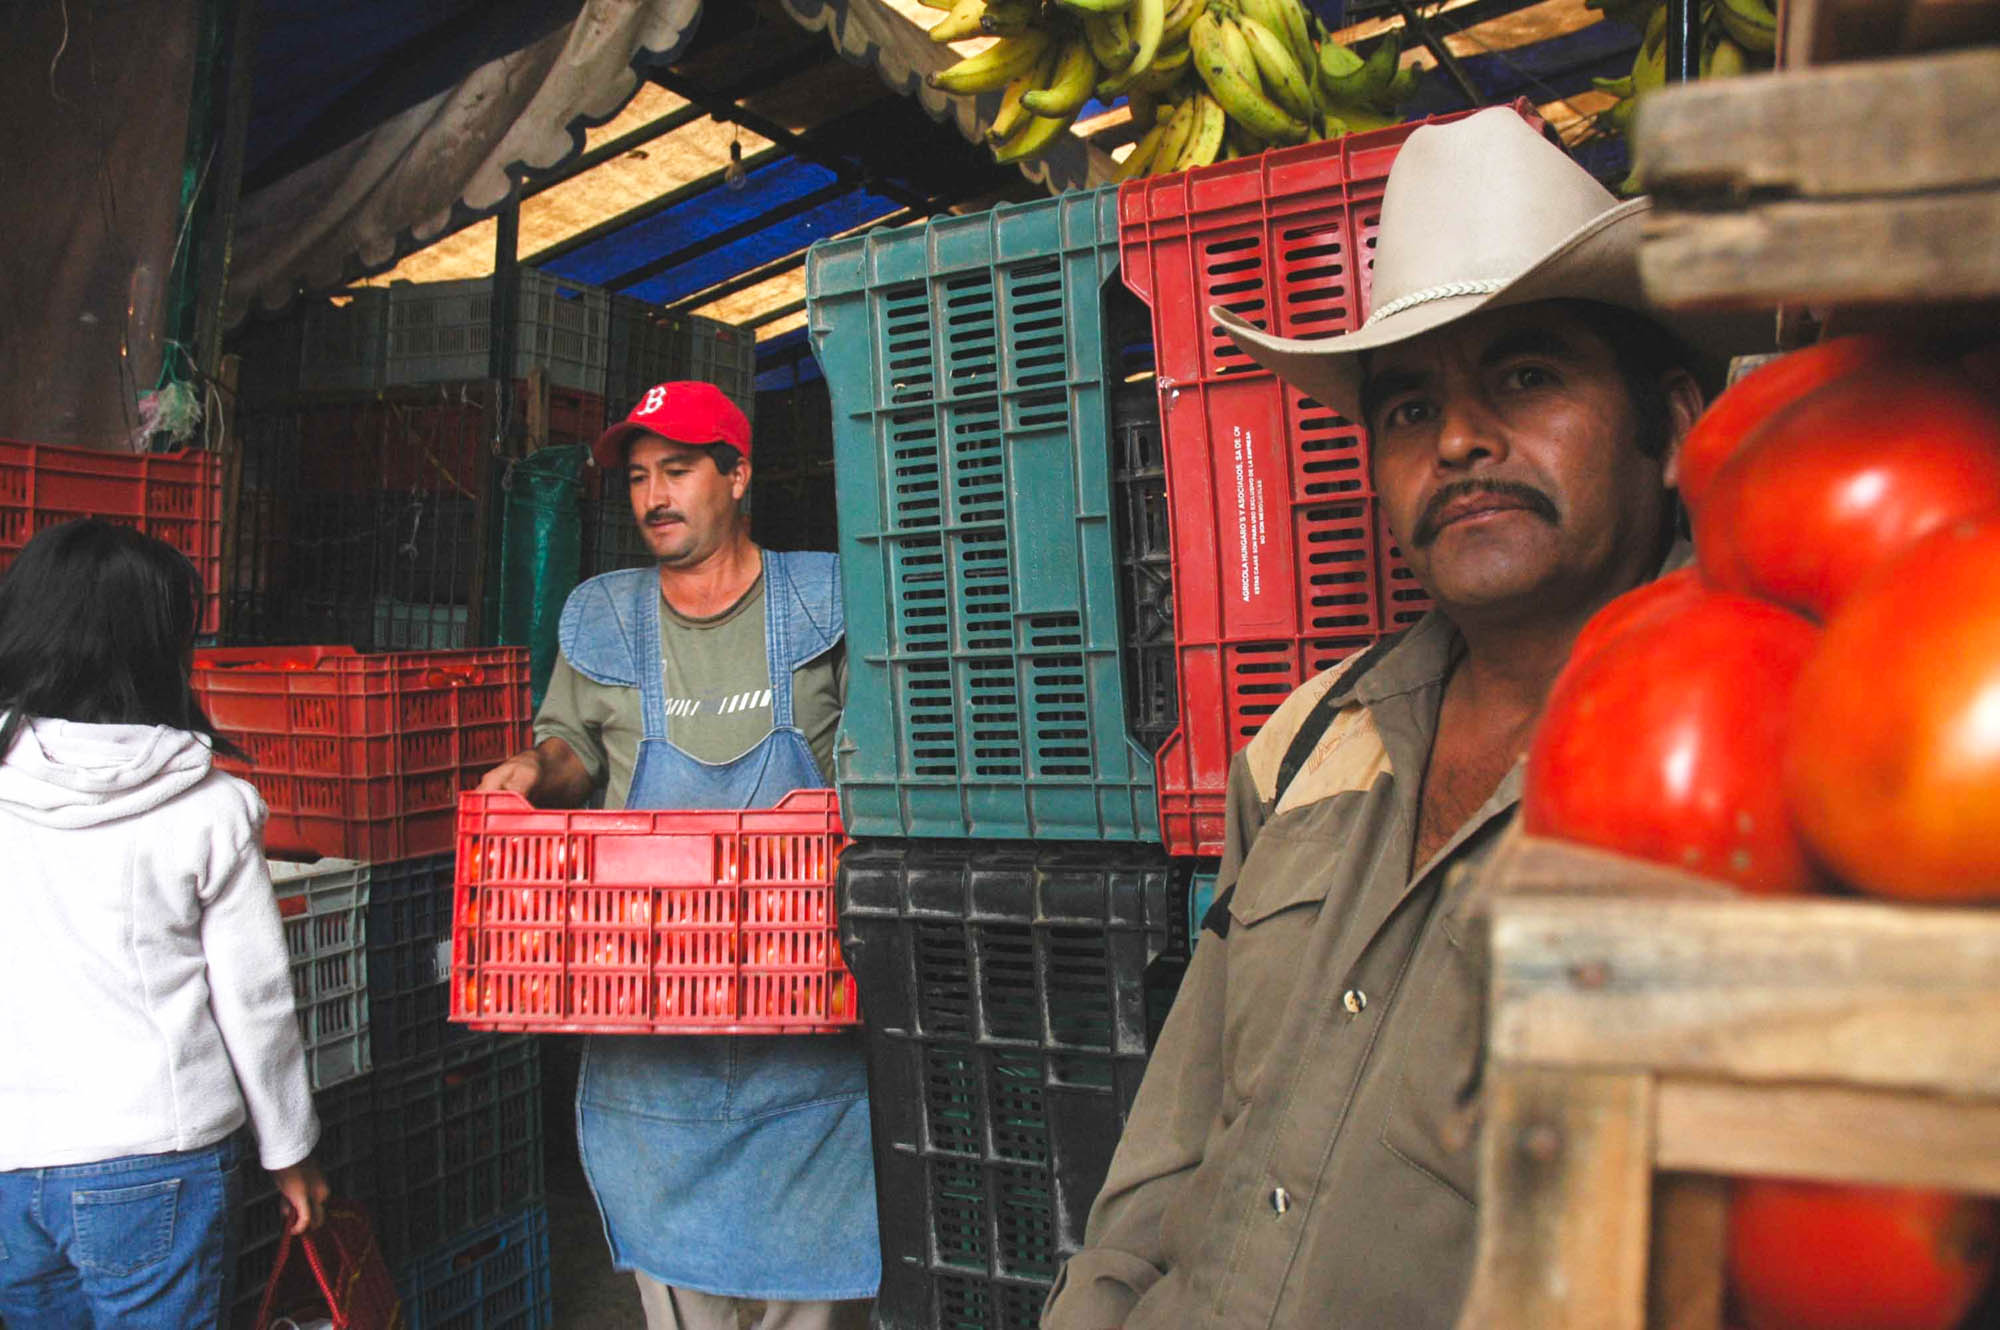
x,y
1205,79
1739,36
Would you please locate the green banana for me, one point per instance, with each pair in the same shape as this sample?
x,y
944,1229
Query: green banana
x,y
1649,70
995,67
1110,40
1243,99
1069,88
1617,118
1656,29
1357,119
1726,61
1751,24
1284,19
1089,7
962,22
1337,62
1618,87
1174,29
1368,85
1283,78
1404,86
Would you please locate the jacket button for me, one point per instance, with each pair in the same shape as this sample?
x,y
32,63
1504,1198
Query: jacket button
x,y
1281,1200
1355,1001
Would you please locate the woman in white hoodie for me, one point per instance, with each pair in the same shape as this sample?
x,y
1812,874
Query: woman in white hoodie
x,y
145,994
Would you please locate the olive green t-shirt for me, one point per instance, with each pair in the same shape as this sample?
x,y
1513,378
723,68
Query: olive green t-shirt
x,y
718,687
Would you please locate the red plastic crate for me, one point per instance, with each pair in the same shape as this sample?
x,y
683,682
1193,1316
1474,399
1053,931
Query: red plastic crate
x,y
1282,564
363,756
175,497
648,921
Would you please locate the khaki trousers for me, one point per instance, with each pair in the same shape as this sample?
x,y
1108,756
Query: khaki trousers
x,y
685,1309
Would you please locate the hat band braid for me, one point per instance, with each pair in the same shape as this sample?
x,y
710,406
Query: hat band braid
x,y
1482,287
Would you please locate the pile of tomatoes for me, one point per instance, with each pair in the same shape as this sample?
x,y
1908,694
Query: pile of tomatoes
x,y
1814,705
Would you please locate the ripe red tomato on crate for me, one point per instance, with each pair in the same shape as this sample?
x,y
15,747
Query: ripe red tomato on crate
x,y
1665,742
1758,396
1821,1256
1844,479
1893,767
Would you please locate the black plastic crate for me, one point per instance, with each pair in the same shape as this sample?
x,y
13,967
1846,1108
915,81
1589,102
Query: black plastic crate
x,y
346,1122
409,919
1144,542
1004,989
458,1142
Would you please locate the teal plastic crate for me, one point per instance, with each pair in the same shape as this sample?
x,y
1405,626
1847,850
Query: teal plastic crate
x,y
970,376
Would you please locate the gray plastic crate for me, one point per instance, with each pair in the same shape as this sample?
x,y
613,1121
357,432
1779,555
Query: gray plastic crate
x,y
324,906
345,347
441,331
650,345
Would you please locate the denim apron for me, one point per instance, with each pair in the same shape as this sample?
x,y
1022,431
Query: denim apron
x,y
733,1165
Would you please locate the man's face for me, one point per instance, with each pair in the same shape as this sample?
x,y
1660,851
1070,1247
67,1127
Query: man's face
x,y
686,509
1505,454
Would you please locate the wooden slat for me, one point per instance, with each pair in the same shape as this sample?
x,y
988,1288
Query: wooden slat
x,y
1891,251
1833,1133
1884,127
1764,990
1690,1244
1819,32
1565,1179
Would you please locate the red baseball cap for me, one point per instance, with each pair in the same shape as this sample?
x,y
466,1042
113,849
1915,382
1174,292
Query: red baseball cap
x,y
688,411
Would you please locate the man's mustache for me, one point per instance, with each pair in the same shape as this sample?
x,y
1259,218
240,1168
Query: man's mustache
x,y
662,515
1530,498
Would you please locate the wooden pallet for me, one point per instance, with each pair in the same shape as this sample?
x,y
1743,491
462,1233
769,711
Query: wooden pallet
x,y
1642,1024
1868,184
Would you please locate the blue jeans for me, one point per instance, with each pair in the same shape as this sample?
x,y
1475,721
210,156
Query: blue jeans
x,y
146,1242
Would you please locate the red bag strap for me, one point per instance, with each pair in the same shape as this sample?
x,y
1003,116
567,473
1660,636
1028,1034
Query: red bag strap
x,y
333,1306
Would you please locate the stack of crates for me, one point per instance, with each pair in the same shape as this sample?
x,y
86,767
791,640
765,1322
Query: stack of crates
x,y
997,478
436,1132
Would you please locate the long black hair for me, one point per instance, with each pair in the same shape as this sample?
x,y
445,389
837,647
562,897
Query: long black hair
x,y
97,625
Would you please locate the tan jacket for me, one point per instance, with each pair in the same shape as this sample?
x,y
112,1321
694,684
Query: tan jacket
x,y
1301,1151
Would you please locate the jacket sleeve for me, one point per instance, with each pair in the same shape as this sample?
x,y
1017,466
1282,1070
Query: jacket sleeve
x,y
1165,1138
250,994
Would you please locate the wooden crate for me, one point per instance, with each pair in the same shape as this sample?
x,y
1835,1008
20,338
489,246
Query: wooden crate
x,y
1870,184
1643,1022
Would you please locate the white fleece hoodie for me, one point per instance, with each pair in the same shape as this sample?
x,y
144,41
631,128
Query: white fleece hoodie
x,y
145,993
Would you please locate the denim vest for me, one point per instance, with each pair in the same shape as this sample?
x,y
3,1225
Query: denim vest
x,y
735,1165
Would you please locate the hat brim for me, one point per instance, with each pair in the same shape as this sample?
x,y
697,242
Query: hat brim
x,y
1599,261
609,450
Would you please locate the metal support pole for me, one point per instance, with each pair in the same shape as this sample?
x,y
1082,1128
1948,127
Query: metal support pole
x,y
1683,41
1446,60
506,301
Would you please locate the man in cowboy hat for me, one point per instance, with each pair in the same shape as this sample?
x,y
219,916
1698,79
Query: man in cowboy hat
x,y
1302,1151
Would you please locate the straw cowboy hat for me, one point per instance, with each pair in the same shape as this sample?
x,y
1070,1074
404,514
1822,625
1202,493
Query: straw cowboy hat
x,y
1477,214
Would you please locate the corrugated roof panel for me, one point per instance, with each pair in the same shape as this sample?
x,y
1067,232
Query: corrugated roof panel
x,y
774,241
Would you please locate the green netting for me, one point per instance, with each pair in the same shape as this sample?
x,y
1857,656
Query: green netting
x,y
541,549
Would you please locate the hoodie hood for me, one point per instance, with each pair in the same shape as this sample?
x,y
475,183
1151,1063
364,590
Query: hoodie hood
x,y
63,774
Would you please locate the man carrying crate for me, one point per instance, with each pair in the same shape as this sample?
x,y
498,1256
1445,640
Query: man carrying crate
x,y
726,1168
1302,1152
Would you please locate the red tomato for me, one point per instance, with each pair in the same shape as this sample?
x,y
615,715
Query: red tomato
x,y
1894,763
1846,479
1760,394
1678,588
1664,743
1819,1256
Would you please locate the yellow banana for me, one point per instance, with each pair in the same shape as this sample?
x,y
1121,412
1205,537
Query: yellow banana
x,y
995,67
1069,87
1236,49
960,23
1649,69
1751,24
1034,138
1140,161
1656,28
1283,78
1164,73
1205,139
1174,30
1087,7
1012,113
1242,99
1009,18
1110,40
1174,142
937,4
1285,20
